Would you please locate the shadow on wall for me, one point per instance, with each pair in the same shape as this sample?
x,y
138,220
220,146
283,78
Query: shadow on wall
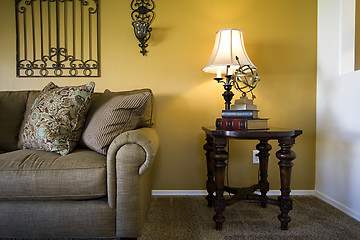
x,y
158,35
278,58
180,154
341,151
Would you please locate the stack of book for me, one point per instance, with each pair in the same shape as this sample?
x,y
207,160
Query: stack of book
x,y
241,116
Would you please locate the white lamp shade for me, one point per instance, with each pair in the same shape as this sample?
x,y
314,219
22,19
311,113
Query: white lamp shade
x,y
229,43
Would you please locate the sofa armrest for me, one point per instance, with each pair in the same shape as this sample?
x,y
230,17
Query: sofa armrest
x,y
129,159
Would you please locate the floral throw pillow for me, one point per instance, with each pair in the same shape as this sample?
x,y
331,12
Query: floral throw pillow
x,y
57,117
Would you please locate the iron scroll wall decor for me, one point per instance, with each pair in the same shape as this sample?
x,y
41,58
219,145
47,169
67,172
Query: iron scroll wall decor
x,y
142,16
57,38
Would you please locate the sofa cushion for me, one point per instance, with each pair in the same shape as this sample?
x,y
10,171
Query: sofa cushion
x,y
110,115
31,174
2,151
57,117
12,108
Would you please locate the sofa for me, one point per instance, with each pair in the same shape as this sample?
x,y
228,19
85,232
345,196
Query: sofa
x,y
100,188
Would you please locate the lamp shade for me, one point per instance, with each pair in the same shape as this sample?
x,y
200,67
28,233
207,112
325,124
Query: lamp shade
x,y
229,43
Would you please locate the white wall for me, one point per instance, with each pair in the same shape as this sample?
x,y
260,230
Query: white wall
x,y
338,108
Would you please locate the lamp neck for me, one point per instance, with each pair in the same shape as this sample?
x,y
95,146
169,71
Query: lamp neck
x,y
228,94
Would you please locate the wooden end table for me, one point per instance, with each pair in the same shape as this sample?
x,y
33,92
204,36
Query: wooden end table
x,y
216,156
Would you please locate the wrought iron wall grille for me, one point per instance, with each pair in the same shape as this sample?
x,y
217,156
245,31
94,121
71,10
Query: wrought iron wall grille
x,y
57,38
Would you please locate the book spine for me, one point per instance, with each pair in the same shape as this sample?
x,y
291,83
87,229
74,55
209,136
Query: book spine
x,y
231,124
239,114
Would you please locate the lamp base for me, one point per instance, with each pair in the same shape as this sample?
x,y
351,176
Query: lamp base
x,y
243,104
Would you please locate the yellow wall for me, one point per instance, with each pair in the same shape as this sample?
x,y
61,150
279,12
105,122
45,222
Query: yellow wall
x,y
280,38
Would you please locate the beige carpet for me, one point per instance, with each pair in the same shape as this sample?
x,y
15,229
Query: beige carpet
x,y
189,218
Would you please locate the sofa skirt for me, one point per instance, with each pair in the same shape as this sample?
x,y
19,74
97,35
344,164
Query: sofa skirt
x,y
57,219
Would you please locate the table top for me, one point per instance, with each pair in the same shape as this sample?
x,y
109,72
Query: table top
x,y
272,133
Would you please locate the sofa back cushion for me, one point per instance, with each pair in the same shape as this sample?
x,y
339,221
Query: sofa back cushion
x,y
112,114
12,108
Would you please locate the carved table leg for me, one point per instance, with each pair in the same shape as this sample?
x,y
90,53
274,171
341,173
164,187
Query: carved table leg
x,y
264,147
210,183
285,155
219,157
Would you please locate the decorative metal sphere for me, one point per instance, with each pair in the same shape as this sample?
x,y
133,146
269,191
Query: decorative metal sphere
x,y
245,79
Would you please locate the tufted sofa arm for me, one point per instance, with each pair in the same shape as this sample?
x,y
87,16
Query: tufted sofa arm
x,y
129,159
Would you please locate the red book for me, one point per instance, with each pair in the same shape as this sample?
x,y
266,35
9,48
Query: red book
x,y
232,124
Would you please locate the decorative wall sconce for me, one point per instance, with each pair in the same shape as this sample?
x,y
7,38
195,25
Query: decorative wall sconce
x,y
142,16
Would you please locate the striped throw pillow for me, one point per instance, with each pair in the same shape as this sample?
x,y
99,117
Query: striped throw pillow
x,y
111,115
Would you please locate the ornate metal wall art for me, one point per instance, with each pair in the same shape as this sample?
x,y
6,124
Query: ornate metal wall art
x,y
57,38
142,16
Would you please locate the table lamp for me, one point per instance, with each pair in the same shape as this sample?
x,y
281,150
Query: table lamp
x,y
229,57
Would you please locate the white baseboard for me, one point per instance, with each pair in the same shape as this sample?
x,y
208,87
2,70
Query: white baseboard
x,y
338,205
179,192
204,192
323,197
293,193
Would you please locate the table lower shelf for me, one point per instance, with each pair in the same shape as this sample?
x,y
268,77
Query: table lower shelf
x,y
248,194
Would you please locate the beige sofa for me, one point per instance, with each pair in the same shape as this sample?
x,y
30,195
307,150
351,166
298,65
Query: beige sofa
x,y
83,194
